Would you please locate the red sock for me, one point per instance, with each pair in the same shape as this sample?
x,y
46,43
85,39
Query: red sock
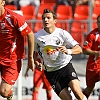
x,y
10,93
49,96
87,95
35,95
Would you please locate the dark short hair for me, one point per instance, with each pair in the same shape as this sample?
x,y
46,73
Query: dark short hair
x,y
49,11
98,17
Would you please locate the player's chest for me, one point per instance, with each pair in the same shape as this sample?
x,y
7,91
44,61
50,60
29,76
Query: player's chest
x,y
6,27
96,42
50,40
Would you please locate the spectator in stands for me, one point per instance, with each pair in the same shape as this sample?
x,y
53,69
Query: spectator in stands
x,y
24,2
85,2
39,78
10,2
60,2
17,4
91,47
13,2
35,3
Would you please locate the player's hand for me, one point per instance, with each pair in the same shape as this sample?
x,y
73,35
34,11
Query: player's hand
x,y
26,75
62,49
31,63
38,65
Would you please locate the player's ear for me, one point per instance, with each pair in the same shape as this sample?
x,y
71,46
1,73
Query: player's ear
x,y
55,21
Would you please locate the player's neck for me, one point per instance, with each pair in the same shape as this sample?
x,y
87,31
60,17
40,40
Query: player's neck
x,y
50,30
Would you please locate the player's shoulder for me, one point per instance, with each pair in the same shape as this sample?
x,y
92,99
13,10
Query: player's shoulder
x,y
39,33
13,14
94,32
58,29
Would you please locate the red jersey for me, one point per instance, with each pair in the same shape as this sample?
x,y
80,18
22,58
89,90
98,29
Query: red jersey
x,y
93,42
13,28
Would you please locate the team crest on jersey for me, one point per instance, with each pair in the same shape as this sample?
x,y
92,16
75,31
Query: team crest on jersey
x,y
86,42
2,25
57,42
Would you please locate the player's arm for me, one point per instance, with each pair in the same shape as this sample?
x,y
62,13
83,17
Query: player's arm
x,y
75,50
91,52
30,38
37,63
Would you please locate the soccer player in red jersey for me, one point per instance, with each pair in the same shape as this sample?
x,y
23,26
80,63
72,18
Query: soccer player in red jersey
x,y
39,78
13,28
91,47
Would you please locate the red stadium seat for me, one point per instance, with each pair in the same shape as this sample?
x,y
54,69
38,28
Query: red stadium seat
x,y
77,31
28,11
94,25
97,3
81,12
96,12
38,25
12,7
78,37
64,12
63,25
79,26
82,15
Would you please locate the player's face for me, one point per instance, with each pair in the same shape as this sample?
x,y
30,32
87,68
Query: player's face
x,y
2,3
48,20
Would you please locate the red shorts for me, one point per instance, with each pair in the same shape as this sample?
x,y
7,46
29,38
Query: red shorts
x,y
92,77
10,73
39,78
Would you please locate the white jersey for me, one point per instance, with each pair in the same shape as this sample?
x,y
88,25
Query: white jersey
x,y
45,41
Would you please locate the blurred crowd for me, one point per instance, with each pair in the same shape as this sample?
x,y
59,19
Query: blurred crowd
x,y
37,3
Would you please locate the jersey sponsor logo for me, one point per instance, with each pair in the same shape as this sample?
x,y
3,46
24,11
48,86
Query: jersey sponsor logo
x,y
3,30
2,25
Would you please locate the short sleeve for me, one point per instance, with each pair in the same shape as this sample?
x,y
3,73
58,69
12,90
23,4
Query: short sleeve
x,y
22,25
88,42
69,39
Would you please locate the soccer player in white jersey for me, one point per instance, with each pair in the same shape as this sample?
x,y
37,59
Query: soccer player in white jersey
x,y
13,28
55,47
